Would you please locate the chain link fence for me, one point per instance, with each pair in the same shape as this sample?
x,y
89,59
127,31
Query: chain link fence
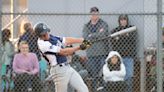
x,y
137,68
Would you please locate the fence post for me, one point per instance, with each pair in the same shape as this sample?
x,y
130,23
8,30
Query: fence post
x,y
0,33
0,21
142,62
142,68
159,46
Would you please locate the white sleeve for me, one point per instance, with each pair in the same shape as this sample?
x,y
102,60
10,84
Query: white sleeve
x,y
64,40
106,73
122,71
46,46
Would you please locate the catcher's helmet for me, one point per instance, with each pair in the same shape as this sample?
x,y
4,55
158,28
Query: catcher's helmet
x,y
41,28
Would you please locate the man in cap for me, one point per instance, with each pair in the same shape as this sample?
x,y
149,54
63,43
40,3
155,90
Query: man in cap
x,y
95,29
53,48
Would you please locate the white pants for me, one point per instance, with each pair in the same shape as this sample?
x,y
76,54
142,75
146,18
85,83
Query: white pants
x,y
62,75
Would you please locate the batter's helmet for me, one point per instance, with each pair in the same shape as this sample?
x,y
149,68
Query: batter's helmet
x,y
41,28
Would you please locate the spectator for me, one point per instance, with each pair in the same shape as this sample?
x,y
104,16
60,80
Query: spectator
x,y
31,39
126,45
7,47
95,29
163,39
7,53
78,65
26,67
75,62
153,66
114,73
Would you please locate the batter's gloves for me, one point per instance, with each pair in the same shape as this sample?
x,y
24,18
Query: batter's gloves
x,y
85,44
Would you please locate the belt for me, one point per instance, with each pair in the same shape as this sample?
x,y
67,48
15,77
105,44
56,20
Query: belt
x,y
62,64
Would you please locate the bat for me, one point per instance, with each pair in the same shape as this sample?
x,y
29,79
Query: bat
x,y
124,31
121,32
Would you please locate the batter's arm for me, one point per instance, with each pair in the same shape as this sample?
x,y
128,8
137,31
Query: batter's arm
x,y
69,51
72,40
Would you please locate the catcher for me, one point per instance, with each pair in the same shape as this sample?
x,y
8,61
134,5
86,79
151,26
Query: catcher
x,y
53,49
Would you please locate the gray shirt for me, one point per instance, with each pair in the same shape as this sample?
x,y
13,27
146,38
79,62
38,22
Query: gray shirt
x,y
94,32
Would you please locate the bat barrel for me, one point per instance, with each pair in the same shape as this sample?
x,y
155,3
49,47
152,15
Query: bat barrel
x,y
121,32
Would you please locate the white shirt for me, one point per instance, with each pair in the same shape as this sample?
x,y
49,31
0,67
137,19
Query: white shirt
x,y
114,75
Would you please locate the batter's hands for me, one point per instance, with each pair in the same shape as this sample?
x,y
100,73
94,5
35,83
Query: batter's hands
x,y
85,44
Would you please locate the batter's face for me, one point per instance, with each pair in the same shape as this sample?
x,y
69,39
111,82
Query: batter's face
x,y
45,36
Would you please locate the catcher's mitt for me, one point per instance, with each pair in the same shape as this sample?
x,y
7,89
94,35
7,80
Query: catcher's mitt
x,y
85,44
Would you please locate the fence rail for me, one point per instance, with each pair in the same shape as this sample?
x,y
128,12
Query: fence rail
x,y
146,64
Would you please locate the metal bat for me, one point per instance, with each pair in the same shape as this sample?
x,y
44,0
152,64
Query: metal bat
x,y
121,32
124,31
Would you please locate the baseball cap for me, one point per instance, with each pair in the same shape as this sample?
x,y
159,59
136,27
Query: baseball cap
x,y
94,9
41,28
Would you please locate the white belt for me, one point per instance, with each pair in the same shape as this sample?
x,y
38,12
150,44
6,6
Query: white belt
x,y
61,64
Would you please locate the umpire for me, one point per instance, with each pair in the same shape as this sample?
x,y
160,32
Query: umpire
x,y
53,48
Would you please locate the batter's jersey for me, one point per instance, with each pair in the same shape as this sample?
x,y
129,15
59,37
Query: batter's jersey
x,y
51,48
